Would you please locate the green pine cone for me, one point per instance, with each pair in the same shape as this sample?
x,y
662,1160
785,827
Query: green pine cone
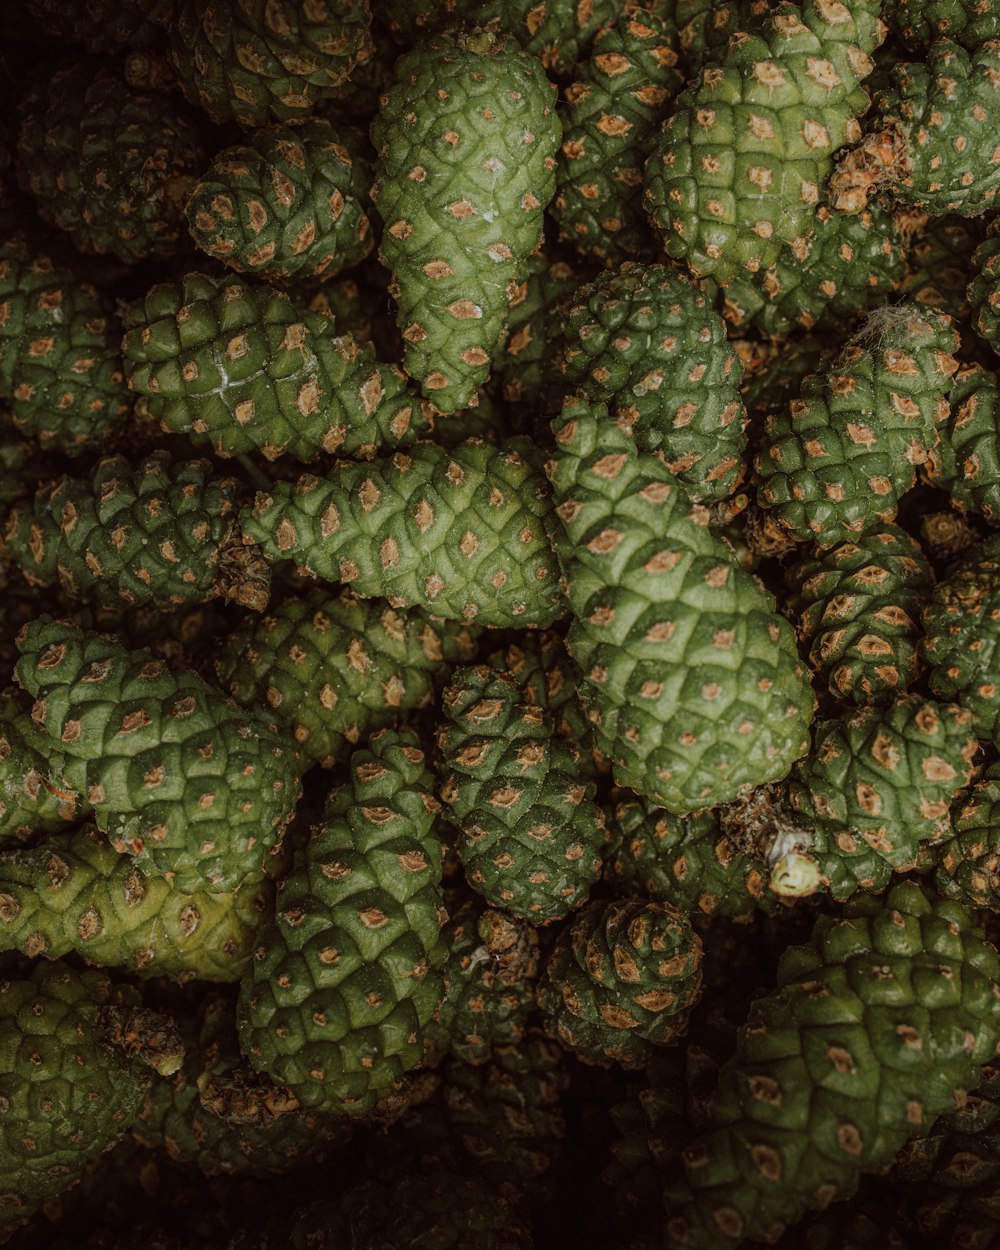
x,y
691,680
103,25
178,777
558,32
878,1024
66,1094
610,114
489,979
939,262
466,137
289,205
32,801
646,341
522,360
967,461
255,61
768,388
620,981
931,142
60,363
962,637
839,459
110,165
332,668
159,533
918,23
462,533
984,288
737,169
857,609
241,367
686,861
878,788
705,26
178,1117
826,278
349,975
531,832
75,894
968,864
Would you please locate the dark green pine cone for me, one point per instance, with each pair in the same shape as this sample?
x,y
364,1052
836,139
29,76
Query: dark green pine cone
x,y
159,533
827,277
966,463
557,32
968,864
620,981
463,533
489,981
843,454
644,340
877,787
31,801
466,135
939,262
704,26
349,975
256,61
21,465
67,1095
60,362
290,205
75,894
687,861
918,23
112,166
178,776
538,304
690,679
857,608
984,288
531,832
930,141
878,1025
103,25
244,368
610,113
177,1115
962,637
331,668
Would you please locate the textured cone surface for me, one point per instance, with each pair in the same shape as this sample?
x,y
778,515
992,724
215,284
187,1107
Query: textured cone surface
x,y
704,26
158,533
738,167
646,341
686,861
967,461
691,680
350,974
290,205
876,1026
962,637
984,290
103,25
930,141
610,114
76,894
857,609
522,359
60,364
489,979
826,278
28,806
244,368
175,1116
462,533
778,379
255,61
179,777
111,166
880,784
621,981
332,668
531,833
466,137
918,23
66,1095
939,262
968,864
841,456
